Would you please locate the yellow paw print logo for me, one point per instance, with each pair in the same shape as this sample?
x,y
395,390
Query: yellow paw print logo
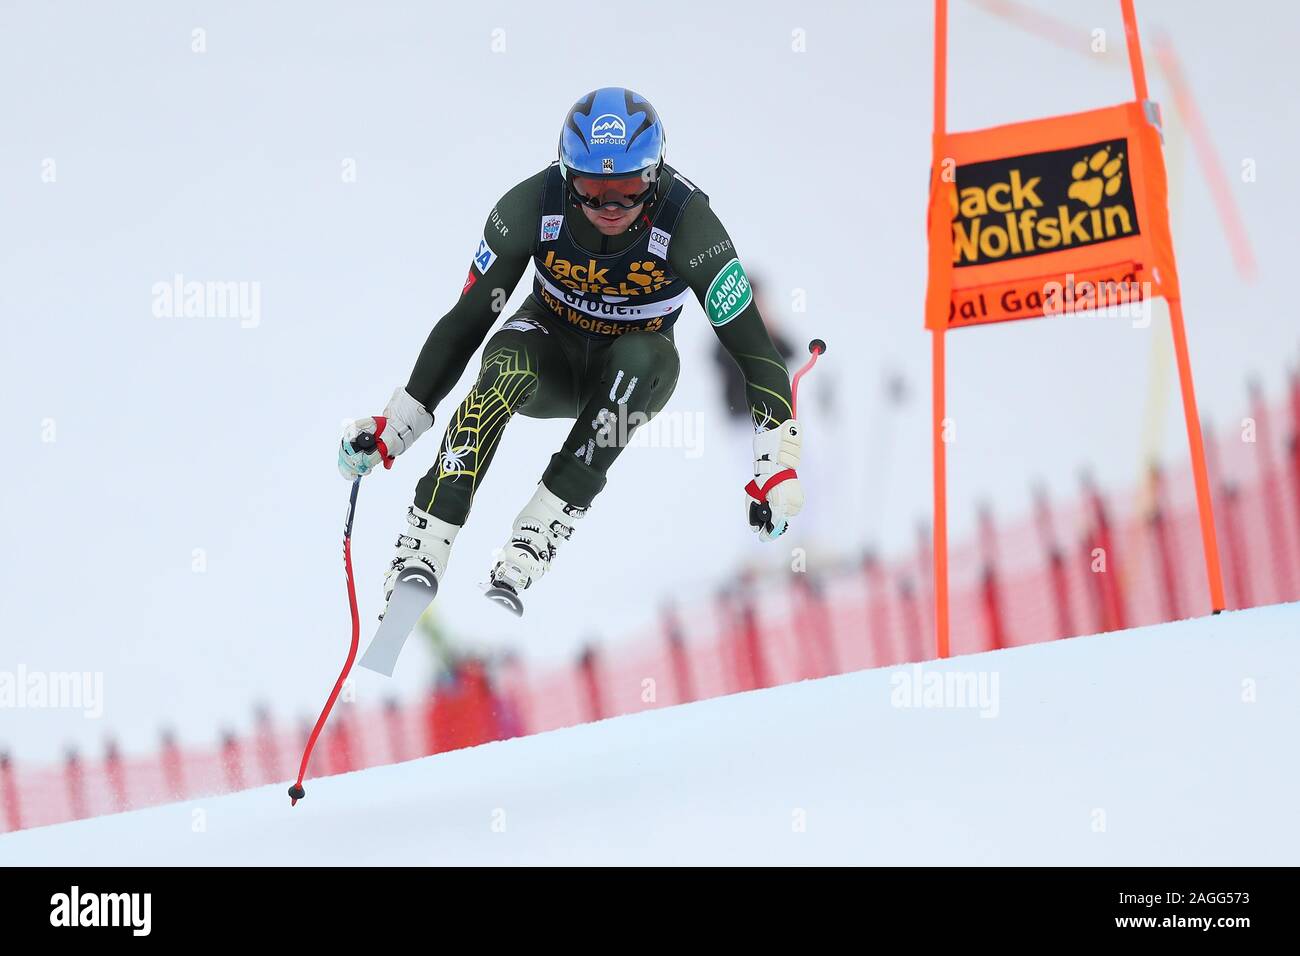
x,y
645,274
1106,176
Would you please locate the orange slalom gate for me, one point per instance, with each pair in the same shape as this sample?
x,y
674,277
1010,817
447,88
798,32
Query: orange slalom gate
x,y
1049,217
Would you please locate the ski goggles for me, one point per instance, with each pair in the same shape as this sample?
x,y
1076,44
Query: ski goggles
x,y
627,192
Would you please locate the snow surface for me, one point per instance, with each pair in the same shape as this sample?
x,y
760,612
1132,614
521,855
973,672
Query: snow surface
x,y
1166,745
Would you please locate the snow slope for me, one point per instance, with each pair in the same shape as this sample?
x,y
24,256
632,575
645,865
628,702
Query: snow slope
x,y
1166,745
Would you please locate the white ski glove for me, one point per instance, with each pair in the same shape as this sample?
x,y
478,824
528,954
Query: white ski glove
x,y
369,441
775,494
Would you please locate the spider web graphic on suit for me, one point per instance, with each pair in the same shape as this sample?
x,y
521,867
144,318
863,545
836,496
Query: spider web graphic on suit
x,y
506,380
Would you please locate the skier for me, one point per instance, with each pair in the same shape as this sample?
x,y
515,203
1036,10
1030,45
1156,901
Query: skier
x,y
619,240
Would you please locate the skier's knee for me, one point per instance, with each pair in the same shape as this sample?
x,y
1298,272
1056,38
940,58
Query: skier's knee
x,y
647,357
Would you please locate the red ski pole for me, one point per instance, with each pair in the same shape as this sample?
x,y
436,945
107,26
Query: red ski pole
x,y
760,512
817,347
296,792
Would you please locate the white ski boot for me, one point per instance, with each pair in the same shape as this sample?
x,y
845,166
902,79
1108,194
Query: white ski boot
x,y
545,521
425,547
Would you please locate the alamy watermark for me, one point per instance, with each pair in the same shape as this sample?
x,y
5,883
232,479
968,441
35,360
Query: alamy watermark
x,y
53,690
133,911
624,429
191,299
945,689
1124,298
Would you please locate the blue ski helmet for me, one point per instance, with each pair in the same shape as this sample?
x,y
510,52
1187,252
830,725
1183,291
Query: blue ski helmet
x,y
612,133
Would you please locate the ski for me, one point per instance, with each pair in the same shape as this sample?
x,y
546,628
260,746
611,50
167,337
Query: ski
x,y
415,590
499,592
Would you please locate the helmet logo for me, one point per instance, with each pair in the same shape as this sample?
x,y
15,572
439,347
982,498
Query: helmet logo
x,y
608,129
607,165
